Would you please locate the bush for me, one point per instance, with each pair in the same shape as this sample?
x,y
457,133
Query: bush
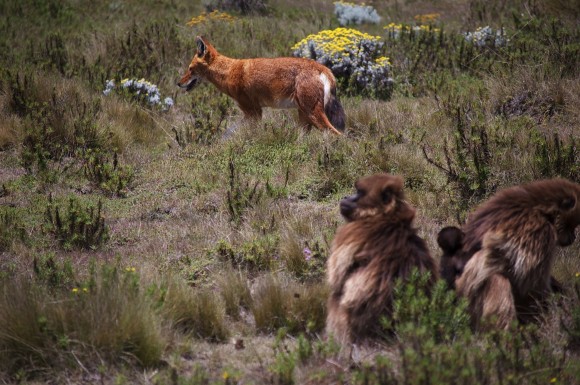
x,y
439,315
142,91
235,292
79,226
435,345
572,324
245,7
354,57
349,13
281,303
107,174
467,161
11,228
58,121
211,17
144,51
254,255
196,312
487,37
556,157
106,318
241,194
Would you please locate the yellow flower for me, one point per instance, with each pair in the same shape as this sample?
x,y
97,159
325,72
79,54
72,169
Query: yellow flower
x,y
427,18
336,41
214,15
75,290
553,380
226,375
85,290
383,61
130,269
578,274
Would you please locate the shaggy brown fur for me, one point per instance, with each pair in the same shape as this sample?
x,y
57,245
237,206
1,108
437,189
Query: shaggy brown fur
x,y
370,252
451,264
509,243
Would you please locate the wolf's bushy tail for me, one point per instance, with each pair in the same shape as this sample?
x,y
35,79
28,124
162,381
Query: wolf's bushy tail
x,y
334,112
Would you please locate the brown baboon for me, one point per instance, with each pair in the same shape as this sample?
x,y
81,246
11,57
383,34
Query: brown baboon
x,y
376,247
452,262
509,242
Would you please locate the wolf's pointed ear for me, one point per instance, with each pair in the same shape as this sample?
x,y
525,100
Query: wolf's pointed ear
x,y
201,48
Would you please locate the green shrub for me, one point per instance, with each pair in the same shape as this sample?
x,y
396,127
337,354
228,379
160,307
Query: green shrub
x,y
210,109
435,345
255,255
58,121
281,303
556,157
235,292
245,7
572,326
12,228
241,194
79,226
467,161
107,174
53,274
195,311
144,50
438,315
105,319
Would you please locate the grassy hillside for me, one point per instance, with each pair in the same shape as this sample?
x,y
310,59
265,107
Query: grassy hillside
x,y
138,244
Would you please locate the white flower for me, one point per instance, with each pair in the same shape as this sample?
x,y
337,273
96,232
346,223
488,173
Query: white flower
x,y
109,86
154,99
355,14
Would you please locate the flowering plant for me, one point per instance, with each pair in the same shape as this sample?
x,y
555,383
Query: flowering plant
x,y
212,16
353,56
396,30
427,18
349,13
487,37
140,90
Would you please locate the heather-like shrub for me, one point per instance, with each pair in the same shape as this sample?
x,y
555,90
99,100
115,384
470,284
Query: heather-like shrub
x,y
81,226
245,7
396,30
355,58
214,15
140,90
350,13
487,37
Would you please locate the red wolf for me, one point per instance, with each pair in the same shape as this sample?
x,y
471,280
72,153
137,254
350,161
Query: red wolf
x,y
283,82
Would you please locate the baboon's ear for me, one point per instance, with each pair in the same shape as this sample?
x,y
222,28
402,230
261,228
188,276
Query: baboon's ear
x,y
201,48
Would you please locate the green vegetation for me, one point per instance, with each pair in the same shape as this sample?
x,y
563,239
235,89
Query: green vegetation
x,y
148,235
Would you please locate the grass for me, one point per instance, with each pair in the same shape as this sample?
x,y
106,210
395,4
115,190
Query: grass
x,y
203,259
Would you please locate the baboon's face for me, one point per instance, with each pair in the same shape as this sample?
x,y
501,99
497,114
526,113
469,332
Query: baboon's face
x,y
198,64
568,220
375,195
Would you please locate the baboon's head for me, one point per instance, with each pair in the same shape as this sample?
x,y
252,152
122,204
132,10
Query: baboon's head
x,y
377,195
453,260
559,200
569,216
199,64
